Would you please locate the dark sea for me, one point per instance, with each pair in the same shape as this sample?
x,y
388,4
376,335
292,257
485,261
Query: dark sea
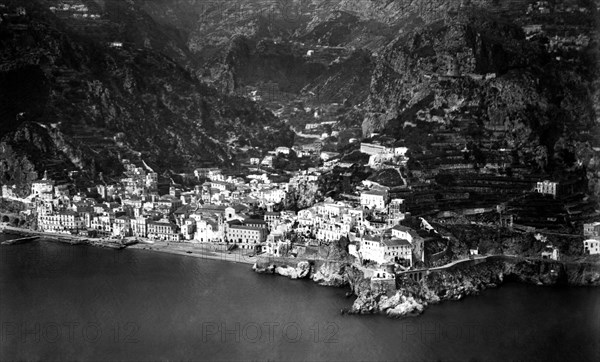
x,y
60,302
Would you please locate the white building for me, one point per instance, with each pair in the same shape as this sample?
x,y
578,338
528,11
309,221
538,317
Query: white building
x,y
267,161
384,251
416,241
592,229
41,187
372,149
283,150
139,227
60,222
163,230
373,199
208,231
547,187
592,246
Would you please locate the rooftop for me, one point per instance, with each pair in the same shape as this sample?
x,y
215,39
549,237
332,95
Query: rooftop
x,y
374,192
395,242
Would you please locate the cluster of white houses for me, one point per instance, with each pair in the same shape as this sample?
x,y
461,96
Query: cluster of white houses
x,y
176,217
218,212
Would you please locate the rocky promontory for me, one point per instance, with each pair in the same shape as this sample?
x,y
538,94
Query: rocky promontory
x,y
412,297
408,297
326,273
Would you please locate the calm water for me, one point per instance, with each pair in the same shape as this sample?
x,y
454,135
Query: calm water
x,y
59,302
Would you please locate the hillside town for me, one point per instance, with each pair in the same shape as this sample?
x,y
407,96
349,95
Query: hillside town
x,y
253,214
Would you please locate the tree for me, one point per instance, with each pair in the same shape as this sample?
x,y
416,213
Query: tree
x,y
5,218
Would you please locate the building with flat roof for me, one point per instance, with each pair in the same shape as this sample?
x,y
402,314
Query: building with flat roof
x,y
382,250
373,199
247,237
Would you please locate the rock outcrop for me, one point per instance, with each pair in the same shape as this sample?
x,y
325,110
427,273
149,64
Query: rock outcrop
x,y
412,297
331,274
299,271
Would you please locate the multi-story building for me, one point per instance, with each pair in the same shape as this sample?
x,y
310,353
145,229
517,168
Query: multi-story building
x,y
222,186
139,227
332,231
396,208
43,186
162,230
592,230
272,217
384,250
373,199
208,230
592,246
63,222
247,237
547,187
306,217
102,224
122,226
257,223
416,241
188,229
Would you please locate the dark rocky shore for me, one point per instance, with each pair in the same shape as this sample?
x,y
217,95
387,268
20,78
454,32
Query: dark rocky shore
x,y
410,297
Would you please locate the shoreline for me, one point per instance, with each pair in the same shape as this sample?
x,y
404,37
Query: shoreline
x,y
413,299
197,250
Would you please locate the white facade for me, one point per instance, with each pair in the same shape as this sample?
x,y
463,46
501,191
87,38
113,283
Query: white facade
x,y
373,199
592,229
546,187
42,187
60,222
592,246
208,232
386,251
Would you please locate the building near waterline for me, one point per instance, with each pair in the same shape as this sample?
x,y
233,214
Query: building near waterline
x,y
247,237
163,230
384,250
64,221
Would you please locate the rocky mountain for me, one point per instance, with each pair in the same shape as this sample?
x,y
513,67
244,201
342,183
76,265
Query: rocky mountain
x,y
75,100
503,74
475,66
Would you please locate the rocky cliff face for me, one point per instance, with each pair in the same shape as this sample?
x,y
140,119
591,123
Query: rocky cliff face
x,y
328,267
477,67
413,297
82,103
405,63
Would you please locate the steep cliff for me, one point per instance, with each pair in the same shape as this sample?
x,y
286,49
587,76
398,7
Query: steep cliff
x,y
83,103
412,297
477,67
